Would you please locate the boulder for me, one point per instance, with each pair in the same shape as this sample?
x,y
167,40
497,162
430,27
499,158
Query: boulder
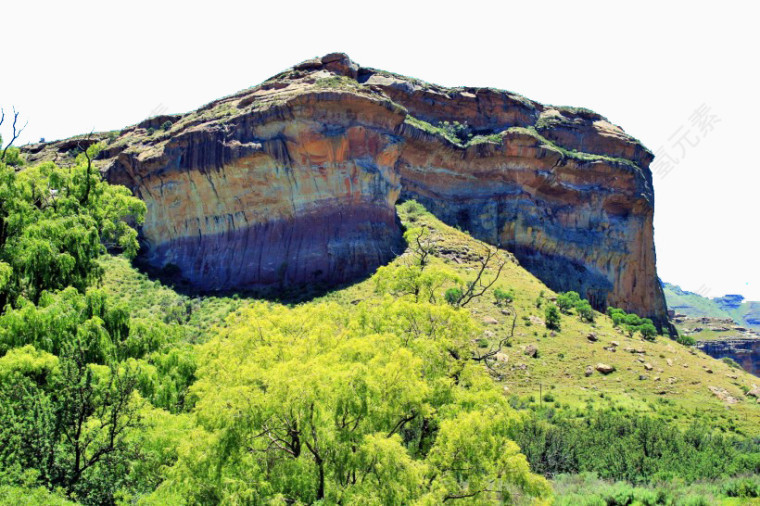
x,y
605,368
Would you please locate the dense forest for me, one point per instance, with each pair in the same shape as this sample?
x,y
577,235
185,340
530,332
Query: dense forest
x,y
115,388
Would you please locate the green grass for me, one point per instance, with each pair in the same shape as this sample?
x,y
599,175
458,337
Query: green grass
x,y
563,356
446,134
586,489
148,298
692,304
571,153
340,82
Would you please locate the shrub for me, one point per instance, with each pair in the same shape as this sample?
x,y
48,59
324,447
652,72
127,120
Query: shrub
x,y
166,125
552,317
567,300
632,323
648,330
453,295
688,341
742,487
503,296
585,311
726,360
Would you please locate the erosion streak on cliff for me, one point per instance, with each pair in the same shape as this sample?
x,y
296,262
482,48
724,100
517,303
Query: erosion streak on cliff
x,y
295,181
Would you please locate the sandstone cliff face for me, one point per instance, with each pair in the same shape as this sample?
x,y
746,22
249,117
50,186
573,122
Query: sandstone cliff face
x,y
295,181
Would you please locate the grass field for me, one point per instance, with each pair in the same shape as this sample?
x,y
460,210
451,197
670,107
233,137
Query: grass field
x,y
662,377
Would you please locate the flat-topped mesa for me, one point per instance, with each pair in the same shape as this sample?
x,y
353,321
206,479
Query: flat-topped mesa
x,y
295,181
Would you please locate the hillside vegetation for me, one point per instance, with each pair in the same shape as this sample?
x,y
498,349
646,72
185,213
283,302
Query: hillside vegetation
x,y
434,380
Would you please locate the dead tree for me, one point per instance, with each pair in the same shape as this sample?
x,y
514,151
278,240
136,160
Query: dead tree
x,y
478,287
16,133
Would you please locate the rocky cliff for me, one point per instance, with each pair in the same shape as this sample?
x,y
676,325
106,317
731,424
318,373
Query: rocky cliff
x,y
295,181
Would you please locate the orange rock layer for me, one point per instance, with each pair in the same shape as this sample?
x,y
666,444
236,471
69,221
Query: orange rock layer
x,y
295,181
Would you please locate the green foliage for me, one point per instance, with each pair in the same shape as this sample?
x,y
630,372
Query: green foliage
x,y
726,360
742,487
55,222
586,489
376,405
421,278
502,297
631,447
453,295
103,330
567,301
632,323
552,317
66,421
166,125
337,82
454,132
585,311
31,496
69,406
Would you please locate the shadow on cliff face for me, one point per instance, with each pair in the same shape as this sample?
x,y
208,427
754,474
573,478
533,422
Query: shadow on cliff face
x,y
284,291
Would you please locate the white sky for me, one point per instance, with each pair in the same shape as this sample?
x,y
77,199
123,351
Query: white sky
x,y
74,66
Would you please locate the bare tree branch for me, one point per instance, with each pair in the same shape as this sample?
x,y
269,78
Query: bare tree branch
x,y
16,133
477,288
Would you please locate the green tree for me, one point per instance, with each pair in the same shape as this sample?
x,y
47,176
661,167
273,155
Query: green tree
x,y
585,311
378,405
55,222
567,301
552,317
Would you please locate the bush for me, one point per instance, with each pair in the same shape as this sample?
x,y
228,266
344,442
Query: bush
x,y
726,360
742,487
453,295
166,125
632,323
687,341
585,311
503,296
648,330
567,301
552,317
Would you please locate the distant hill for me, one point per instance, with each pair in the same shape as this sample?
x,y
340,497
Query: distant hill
x,y
692,304
744,313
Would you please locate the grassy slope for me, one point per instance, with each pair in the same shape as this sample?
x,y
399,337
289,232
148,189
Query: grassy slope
x,y
696,306
146,297
692,304
562,358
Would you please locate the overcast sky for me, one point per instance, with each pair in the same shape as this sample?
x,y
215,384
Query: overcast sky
x,y
681,78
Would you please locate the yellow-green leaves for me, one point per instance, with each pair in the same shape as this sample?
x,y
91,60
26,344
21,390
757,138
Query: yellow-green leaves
x,y
54,223
27,361
377,405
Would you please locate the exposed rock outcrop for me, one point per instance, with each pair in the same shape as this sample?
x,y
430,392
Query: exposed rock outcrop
x,y
745,352
295,181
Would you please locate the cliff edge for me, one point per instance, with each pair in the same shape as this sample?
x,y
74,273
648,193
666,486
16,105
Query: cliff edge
x,y
295,181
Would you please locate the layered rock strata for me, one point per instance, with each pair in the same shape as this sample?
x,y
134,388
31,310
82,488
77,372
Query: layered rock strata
x,y
295,181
